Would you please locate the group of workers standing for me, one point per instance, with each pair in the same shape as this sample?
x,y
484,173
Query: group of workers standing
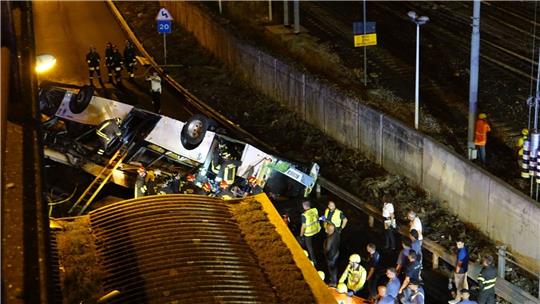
x,y
115,62
403,282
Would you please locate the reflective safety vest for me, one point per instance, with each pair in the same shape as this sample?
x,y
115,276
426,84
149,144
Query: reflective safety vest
x,y
480,132
312,222
487,278
519,145
336,217
356,278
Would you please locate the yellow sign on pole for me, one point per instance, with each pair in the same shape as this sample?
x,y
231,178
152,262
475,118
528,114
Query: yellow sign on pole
x,y
365,40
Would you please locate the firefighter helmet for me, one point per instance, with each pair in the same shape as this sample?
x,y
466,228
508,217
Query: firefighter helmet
x,y
207,187
342,288
223,184
482,116
354,258
321,274
525,132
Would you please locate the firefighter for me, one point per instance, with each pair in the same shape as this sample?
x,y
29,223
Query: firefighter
x,y
354,274
93,60
109,60
487,279
130,60
310,228
117,63
107,131
480,135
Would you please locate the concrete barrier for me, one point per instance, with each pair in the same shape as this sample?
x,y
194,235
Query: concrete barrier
x,y
475,195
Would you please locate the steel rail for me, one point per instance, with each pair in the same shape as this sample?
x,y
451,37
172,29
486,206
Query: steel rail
x,y
504,289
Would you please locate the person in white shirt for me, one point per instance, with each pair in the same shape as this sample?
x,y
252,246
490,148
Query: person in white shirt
x,y
415,223
155,88
389,223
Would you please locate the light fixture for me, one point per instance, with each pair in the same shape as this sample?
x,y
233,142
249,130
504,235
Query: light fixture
x,y
44,63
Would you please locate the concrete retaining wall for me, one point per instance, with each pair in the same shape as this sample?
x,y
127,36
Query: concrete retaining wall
x,y
476,196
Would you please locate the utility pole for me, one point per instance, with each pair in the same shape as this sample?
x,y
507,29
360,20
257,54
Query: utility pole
x,y
286,13
365,47
270,10
418,20
296,16
473,82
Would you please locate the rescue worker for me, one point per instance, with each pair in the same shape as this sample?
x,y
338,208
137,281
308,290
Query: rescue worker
x,y
254,187
93,59
393,285
487,279
465,297
310,227
129,59
383,297
107,131
415,294
375,270
403,257
460,271
412,272
109,60
416,245
331,252
140,187
117,63
354,274
519,145
155,89
335,216
480,135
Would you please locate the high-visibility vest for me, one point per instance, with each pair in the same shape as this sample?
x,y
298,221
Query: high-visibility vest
x,y
356,278
480,132
312,222
336,217
520,143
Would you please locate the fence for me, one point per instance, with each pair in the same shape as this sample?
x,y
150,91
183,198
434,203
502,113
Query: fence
x,y
476,196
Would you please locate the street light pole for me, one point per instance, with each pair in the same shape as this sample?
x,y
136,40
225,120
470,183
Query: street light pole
x,y
417,80
418,20
473,85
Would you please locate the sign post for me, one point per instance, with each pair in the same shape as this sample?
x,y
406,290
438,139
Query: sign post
x,y
364,35
164,26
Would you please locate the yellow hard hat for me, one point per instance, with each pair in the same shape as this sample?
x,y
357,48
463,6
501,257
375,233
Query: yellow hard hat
x,y
525,131
482,115
321,274
342,288
354,258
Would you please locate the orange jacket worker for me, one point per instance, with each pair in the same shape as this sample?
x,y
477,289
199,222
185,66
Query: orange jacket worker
x,y
480,135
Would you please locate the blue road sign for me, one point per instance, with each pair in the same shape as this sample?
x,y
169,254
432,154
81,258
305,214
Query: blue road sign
x,y
164,26
358,28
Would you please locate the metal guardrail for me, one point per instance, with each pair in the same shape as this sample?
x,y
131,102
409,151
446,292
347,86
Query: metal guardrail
x,y
503,288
